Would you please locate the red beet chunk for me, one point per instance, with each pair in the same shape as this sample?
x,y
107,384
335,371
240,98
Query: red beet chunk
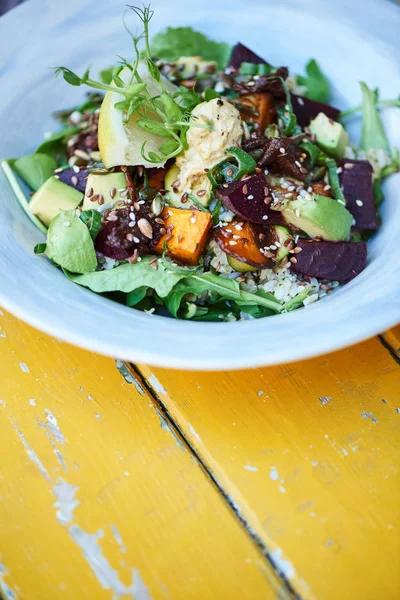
x,y
335,261
250,199
356,181
75,180
241,53
306,110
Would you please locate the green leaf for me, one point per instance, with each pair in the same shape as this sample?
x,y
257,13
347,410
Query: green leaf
x,y
39,248
317,84
106,75
314,153
153,70
69,76
286,114
136,296
197,203
35,169
210,94
334,180
373,133
175,42
172,109
19,194
295,302
69,243
93,220
127,278
57,142
154,127
169,147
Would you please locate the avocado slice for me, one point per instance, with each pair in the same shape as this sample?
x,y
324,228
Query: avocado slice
x,y
191,66
331,136
108,185
282,234
240,266
319,216
51,197
69,243
175,198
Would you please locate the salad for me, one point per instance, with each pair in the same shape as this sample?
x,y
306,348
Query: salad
x,y
200,181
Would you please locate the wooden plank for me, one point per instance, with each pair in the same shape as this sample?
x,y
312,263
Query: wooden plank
x,y
97,497
309,453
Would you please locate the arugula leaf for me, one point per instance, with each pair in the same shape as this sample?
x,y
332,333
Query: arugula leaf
x,y
35,169
127,278
13,181
175,42
93,220
373,133
227,289
316,82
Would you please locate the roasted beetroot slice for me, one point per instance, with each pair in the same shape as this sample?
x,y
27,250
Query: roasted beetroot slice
x,y
249,199
75,180
356,181
306,110
335,261
241,53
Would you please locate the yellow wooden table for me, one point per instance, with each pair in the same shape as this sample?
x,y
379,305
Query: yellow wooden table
x,y
122,481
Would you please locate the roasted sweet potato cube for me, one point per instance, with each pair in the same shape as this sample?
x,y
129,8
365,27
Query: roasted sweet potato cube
x,y
243,241
187,234
258,108
319,189
156,178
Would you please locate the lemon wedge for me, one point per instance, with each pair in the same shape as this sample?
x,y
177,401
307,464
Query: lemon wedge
x,y
120,143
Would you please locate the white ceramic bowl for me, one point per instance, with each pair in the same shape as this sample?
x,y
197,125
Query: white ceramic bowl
x,y
352,40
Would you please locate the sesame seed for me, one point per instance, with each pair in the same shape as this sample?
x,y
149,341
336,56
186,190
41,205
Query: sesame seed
x,y
129,237
193,219
339,170
67,224
349,166
293,260
250,197
289,195
297,163
297,250
266,171
265,218
132,224
136,239
327,187
76,169
282,150
309,189
132,216
141,202
359,202
251,83
300,101
232,243
74,180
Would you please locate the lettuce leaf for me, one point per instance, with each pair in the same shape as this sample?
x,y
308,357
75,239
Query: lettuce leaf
x,y
317,84
175,42
373,132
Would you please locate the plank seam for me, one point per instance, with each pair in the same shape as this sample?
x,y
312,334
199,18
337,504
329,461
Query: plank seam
x,y
289,589
389,348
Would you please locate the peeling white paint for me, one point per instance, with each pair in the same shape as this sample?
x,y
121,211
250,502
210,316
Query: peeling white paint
x,y
250,468
32,401
324,400
32,454
193,432
129,378
3,403
5,589
284,566
2,333
260,393
273,474
314,463
282,489
118,538
105,574
53,428
24,367
156,385
66,501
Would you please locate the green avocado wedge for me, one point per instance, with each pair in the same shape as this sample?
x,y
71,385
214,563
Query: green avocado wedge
x,y
319,216
69,244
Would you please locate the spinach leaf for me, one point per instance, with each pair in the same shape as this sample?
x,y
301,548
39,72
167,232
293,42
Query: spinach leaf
x,y
175,42
56,143
127,278
316,82
373,133
35,169
93,220
13,181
